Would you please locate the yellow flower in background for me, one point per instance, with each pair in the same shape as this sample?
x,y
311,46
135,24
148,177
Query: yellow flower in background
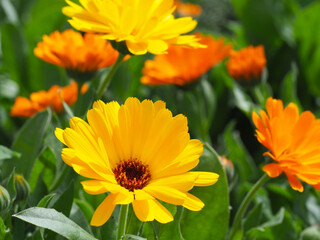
x,y
144,25
293,141
182,66
187,9
74,51
247,64
138,153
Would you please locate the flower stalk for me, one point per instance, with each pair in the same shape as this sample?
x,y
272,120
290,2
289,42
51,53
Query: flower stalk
x,y
105,83
123,221
244,204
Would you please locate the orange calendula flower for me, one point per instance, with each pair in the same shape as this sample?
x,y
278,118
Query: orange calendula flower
x,y
293,141
76,52
24,107
187,9
138,153
183,66
247,64
144,25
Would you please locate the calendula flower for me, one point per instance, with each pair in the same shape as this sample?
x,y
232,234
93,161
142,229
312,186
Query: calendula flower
x,y
293,141
183,66
247,64
24,107
138,153
145,26
75,52
187,9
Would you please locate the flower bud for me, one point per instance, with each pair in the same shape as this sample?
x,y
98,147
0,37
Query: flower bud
x,y
22,187
4,199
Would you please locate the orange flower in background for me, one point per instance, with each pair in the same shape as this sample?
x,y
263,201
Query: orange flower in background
x,y
71,50
182,66
187,9
24,107
293,141
248,63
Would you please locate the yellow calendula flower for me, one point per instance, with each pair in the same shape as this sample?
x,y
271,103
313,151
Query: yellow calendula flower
x,y
144,25
138,153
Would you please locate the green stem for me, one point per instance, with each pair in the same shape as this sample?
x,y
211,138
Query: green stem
x,y
103,86
122,226
245,202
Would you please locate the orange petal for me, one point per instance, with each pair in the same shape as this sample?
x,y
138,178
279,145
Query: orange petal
x,y
272,169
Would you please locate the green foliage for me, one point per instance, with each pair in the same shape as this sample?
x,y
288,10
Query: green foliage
x,y
218,109
55,221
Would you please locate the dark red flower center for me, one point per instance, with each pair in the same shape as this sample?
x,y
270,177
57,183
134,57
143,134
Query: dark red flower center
x,y
132,174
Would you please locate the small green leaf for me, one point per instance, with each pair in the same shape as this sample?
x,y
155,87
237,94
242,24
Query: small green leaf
x,y
6,153
133,237
253,218
55,221
28,142
63,202
45,200
3,229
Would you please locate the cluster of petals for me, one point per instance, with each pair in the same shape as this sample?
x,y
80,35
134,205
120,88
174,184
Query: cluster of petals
x,y
182,66
77,52
25,107
145,136
293,141
247,64
144,25
187,9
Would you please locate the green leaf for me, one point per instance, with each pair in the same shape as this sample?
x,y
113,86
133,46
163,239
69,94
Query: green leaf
x,y
44,165
13,47
3,229
6,153
78,217
55,221
308,37
46,200
63,202
212,221
279,226
28,142
133,237
310,233
253,218
289,85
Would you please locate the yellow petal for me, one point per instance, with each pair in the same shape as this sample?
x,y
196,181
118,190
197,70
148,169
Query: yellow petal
x,y
59,134
166,194
205,178
104,211
193,203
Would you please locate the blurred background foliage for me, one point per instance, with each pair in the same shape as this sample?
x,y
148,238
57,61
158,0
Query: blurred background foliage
x,y
218,109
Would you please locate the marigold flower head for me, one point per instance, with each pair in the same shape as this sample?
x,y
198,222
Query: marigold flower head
x,y
76,52
24,107
293,141
144,25
181,65
187,9
138,152
247,64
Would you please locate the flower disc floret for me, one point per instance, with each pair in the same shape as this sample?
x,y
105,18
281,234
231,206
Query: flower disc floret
x,y
132,174
145,25
137,153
